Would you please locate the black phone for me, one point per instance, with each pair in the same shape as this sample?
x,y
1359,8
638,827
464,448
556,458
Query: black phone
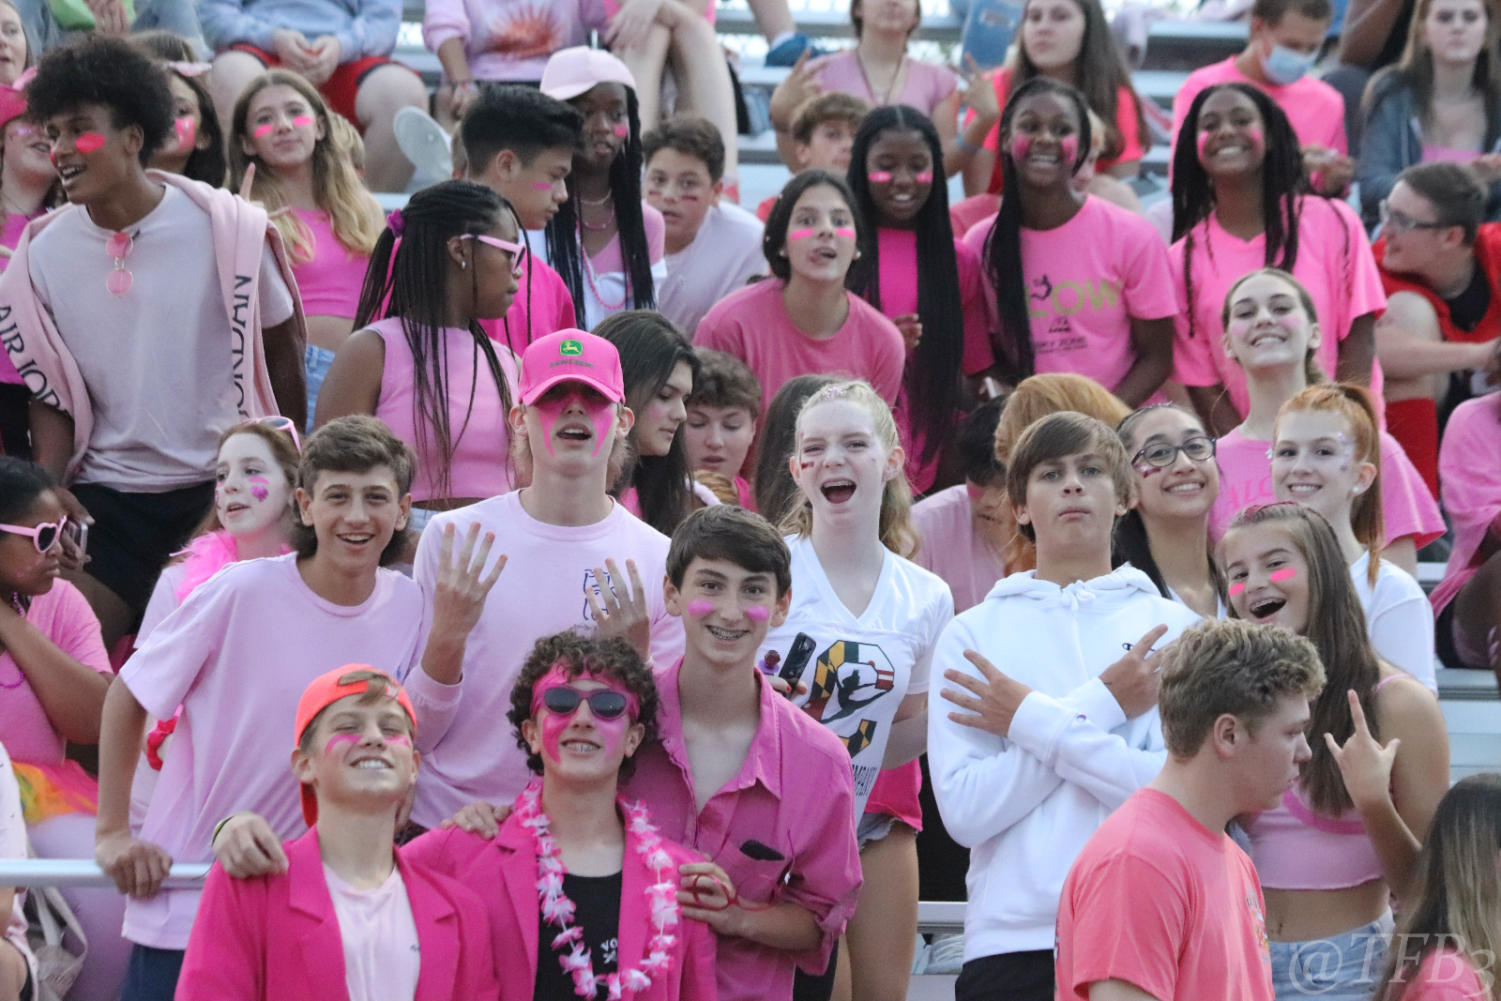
x,y
803,646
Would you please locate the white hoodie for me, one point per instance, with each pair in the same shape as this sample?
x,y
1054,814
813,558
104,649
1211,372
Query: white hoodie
x,y
1026,805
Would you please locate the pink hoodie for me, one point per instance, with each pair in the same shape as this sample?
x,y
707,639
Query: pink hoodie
x,y
240,233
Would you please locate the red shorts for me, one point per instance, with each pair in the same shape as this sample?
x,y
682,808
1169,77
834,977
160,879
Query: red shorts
x,y
338,90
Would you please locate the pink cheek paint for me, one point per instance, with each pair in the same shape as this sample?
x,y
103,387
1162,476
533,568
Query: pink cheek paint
x,y
1069,146
1147,470
400,740
260,487
974,493
1278,576
603,419
553,726
541,185
1237,589
547,415
621,131
303,121
878,176
1203,143
1020,147
336,743
924,177
1258,141
263,130
848,232
758,613
699,607
806,233
187,132
88,142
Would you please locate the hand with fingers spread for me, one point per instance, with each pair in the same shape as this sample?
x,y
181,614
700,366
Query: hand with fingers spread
x,y
1136,678
1364,762
109,17
619,607
483,819
797,86
137,867
990,701
979,95
461,585
246,847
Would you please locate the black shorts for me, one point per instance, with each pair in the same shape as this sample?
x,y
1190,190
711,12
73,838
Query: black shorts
x,y
134,534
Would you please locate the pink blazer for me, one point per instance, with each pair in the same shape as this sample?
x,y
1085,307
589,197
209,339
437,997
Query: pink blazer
x,y
504,872
276,937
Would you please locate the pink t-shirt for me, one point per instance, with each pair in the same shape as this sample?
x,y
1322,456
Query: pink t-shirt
x,y
897,251
1086,280
1315,109
1469,465
1445,974
379,934
330,282
64,617
1160,902
794,794
924,86
236,656
609,257
1334,262
468,753
542,305
478,432
1246,479
10,235
952,549
752,324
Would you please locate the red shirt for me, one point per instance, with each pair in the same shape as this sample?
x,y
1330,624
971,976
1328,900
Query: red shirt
x,y
1488,254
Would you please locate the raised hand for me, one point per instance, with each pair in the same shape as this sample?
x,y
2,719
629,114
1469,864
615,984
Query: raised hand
x,y
796,87
979,95
461,585
1364,762
1136,678
619,608
990,701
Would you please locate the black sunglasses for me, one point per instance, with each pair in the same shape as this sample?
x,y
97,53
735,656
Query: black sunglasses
x,y
603,702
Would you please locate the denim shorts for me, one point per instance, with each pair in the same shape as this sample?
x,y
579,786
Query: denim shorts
x,y
1342,967
315,362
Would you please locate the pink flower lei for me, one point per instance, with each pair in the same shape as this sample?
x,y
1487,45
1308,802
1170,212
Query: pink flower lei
x,y
557,909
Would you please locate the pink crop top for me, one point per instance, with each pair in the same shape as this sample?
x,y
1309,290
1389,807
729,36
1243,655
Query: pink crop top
x,y
481,442
329,283
1295,848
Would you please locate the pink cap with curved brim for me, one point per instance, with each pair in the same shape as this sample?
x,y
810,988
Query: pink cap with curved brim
x,y
570,72
12,105
571,356
328,688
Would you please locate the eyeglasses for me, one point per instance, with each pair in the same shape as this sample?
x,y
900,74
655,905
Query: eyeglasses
x,y
604,703
1162,454
49,533
516,250
1393,223
118,246
276,422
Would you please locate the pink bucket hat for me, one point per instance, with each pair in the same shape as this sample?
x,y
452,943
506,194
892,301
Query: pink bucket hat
x,y
571,356
570,72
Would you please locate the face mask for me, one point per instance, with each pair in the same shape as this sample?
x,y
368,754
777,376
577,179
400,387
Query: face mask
x,y
1284,66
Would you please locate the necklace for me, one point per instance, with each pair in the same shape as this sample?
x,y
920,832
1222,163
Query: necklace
x,y
609,307
607,199
557,909
885,98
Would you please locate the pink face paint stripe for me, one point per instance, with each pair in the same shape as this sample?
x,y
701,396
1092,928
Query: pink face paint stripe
x,y
621,131
1237,589
88,142
758,613
879,176
848,232
302,121
924,177
800,234
337,741
699,607
263,130
541,185
1285,573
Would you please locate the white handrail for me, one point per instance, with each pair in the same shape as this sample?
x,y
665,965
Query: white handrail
x,y
82,872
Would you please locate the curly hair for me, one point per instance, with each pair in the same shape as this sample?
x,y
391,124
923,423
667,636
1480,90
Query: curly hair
x,y
610,659
110,72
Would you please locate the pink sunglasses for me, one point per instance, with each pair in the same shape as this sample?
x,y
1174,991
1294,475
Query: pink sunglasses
x,y
276,422
516,250
49,533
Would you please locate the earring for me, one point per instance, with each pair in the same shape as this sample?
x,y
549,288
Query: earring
x,y
463,265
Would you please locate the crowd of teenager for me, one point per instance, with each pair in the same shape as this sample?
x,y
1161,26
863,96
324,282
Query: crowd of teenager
x,y
607,547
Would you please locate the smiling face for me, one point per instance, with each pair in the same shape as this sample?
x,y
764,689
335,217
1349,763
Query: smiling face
x,y
579,746
820,244
677,185
282,128
718,438
726,610
1454,31
251,492
1269,326
1231,135
1266,576
23,570
899,168
91,155
665,412
607,125
354,515
1052,33
1071,503
1184,488
1314,463
1043,139
840,463
359,755
12,45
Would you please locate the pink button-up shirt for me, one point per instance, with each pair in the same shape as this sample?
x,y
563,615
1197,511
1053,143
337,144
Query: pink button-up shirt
x,y
783,829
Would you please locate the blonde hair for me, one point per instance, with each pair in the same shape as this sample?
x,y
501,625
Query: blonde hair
x,y
348,141
896,531
1354,405
353,213
1036,397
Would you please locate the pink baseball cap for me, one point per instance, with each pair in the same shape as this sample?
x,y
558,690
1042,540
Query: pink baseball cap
x,y
570,72
571,356
12,105
328,688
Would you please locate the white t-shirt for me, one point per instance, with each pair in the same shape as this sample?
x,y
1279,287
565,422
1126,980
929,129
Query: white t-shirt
x,y
12,846
468,750
382,957
862,666
1398,618
237,656
724,255
157,359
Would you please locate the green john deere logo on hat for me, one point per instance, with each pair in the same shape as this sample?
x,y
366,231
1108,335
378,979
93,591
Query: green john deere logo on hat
x,y
570,347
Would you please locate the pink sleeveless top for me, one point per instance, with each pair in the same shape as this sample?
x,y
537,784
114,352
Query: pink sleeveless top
x,y
478,433
1295,848
329,284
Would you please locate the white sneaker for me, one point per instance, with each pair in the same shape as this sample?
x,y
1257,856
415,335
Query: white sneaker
x,y
424,142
